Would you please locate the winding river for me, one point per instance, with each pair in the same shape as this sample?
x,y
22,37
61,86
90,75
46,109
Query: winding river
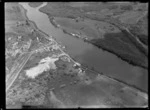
x,y
88,54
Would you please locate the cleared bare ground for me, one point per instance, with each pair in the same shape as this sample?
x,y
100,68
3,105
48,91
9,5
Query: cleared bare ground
x,y
69,88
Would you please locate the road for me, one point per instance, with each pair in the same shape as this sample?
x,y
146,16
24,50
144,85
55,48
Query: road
x,y
102,75
14,75
16,72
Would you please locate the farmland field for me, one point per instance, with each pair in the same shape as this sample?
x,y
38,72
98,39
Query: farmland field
x,y
76,55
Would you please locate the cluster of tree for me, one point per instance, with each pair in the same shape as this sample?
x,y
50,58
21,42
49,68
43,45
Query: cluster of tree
x,y
123,49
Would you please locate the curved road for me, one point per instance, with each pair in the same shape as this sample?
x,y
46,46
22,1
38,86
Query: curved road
x,y
15,73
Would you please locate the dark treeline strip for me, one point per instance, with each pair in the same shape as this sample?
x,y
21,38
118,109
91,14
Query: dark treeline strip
x,y
113,45
133,40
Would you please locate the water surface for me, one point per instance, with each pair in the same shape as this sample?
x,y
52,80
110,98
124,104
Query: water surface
x,y
88,54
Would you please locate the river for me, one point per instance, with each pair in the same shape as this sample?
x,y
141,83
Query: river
x,y
88,54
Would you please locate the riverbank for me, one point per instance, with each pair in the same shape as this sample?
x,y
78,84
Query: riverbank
x,y
126,47
122,72
102,74
133,60
129,50
102,47
105,86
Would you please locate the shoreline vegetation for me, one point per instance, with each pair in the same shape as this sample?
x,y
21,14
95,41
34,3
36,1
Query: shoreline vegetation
x,y
133,52
108,50
52,20
82,65
137,60
38,90
129,59
93,70
85,67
